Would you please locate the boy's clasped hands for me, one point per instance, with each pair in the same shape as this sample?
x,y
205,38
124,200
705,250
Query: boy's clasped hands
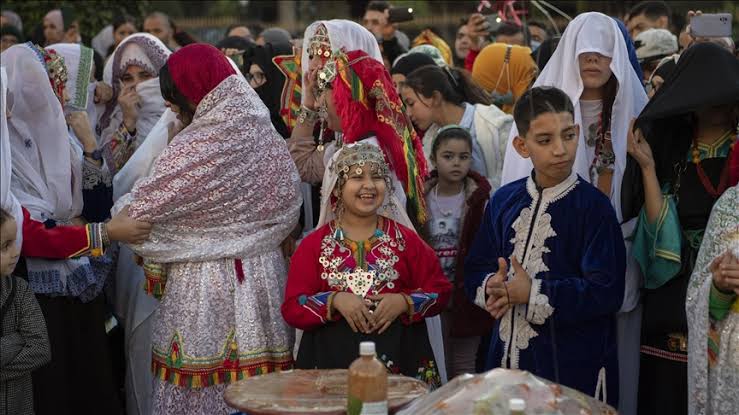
x,y
500,294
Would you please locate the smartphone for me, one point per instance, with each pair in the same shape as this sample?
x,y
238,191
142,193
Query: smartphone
x,y
711,25
493,23
400,14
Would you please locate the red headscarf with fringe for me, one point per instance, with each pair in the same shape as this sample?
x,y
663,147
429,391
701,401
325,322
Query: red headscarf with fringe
x,y
367,102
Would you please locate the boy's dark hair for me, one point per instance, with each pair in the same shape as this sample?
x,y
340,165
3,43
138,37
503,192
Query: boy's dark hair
x,y
450,132
537,101
378,6
4,216
454,85
652,9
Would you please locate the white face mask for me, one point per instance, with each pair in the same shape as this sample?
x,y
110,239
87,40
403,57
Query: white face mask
x,y
535,45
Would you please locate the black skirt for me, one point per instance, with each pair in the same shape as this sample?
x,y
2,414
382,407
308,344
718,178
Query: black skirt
x,y
403,349
79,379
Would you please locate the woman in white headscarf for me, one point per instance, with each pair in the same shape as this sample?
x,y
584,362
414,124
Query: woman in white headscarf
x,y
137,103
322,39
47,182
591,64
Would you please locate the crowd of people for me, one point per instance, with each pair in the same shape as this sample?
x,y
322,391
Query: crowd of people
x,y
177,216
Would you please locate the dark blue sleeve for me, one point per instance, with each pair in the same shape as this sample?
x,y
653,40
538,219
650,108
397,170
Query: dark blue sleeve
x,y
482,259
599,289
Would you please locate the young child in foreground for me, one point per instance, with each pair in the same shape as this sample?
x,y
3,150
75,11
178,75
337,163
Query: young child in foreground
x,y
548,262
364,277
24,343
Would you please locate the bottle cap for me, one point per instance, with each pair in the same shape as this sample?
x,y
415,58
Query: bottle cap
x,y
367,348
517,404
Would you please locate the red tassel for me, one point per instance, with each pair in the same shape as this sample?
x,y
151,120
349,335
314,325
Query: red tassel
x,y
239,270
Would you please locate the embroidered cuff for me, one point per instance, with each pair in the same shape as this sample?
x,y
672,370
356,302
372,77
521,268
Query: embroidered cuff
x,y
719,302
538,309
318,304
480,296
119,149
422,302
93,175
96,235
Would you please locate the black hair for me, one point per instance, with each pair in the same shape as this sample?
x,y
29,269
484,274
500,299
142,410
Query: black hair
x,y
232,27
170,92
538,24
462,23
609,97
123,18
450,133
378,6
454,85
4,216
11,30
540,100
69,16
508,29
652,9
99,65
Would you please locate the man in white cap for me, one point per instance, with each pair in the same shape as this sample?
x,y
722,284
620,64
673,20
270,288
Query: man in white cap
x,y
651,46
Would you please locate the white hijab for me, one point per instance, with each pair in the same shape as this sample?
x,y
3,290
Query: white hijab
x,y
148,52
7,200
588,32
343,34
47,172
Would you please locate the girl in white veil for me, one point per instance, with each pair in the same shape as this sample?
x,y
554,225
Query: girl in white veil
x,y
590,38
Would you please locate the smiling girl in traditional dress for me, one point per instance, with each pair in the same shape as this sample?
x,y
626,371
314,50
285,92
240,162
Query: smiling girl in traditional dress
x,y
363,276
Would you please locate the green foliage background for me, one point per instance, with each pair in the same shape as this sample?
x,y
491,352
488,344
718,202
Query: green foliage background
x,y
92,15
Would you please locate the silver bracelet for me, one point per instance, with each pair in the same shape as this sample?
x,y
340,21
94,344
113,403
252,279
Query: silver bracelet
x,y
307,114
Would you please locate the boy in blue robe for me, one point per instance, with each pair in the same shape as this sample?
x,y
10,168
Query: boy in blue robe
x,y
548,261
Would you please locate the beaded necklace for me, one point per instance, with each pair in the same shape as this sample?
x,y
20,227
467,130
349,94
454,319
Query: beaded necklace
x,y
715,192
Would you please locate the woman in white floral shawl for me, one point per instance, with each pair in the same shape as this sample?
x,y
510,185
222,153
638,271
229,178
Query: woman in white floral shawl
x,y
221,197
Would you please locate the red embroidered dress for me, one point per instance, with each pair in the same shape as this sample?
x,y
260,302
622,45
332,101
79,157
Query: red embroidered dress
x,y
394,260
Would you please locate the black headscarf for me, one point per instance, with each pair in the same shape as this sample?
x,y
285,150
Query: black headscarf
x,y
235,42
271,90
706,75
411,62
665,69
